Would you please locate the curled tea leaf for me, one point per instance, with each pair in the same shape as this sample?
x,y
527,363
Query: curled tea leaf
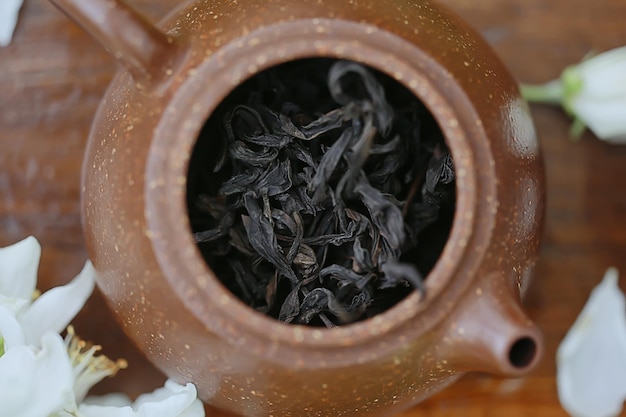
x,y
263,239
314,303
291,306
397,272
384,112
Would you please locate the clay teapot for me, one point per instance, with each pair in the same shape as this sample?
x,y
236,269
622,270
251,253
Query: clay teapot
x,y
174,75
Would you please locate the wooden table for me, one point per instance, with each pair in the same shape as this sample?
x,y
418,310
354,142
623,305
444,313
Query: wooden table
x,y
53,75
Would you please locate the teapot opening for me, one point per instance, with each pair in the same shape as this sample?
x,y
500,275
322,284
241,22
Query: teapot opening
x,y
321,192
523,352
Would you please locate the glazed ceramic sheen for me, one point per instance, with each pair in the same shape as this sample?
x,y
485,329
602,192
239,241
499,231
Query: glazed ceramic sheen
x,y
169,301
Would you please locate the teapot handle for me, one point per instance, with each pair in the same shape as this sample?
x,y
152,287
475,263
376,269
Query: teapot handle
x,y
148,54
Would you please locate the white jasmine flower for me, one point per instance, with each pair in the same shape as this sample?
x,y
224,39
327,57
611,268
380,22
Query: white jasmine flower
x,y
51,381
173,400
35,382
593,92
9,11
41,375
591,360
52,311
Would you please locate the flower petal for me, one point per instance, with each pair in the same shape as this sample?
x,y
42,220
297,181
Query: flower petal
x,y
14,305
10,330
173,400
591,360
54,309
606,118
9,12
604,75
18,268
196,409
36,382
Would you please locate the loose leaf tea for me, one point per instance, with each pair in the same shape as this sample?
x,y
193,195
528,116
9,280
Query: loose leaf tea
x,y
321,192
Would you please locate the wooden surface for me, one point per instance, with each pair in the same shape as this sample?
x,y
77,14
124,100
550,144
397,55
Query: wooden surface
x,y
52,77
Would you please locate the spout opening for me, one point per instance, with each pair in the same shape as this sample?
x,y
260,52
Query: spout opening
x,y
523,352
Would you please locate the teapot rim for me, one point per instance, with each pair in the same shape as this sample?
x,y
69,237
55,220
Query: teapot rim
x,y
259,50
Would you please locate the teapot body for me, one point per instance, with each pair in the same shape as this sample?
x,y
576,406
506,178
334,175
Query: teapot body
x,y
173,305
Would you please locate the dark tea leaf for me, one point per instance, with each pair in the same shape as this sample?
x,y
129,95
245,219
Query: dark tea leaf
x,y
398,272
291,306
385,215
384,112
313,304
263,239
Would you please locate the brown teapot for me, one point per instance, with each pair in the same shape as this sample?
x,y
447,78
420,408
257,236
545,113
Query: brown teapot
x,y
172,78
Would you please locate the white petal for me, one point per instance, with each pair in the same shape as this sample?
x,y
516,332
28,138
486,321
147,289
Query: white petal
x,y
9,11
606,118
54,309
591,360
10,330
18,268
604,75
15,383
196,409
173,400
35,382
170,387
14,305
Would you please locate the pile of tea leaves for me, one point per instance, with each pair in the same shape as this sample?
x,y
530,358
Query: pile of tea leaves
x,y
316,199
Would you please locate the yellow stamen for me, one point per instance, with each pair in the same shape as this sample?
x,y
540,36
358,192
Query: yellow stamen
x,y
89,368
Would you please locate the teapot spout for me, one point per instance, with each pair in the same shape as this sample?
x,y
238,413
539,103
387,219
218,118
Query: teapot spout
x,y
148,54
492,334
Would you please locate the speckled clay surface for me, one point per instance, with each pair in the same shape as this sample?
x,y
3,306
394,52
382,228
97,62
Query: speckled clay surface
x,y
175,308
